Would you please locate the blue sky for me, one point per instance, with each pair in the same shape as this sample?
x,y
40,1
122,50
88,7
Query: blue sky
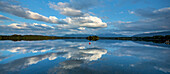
x,y
60,17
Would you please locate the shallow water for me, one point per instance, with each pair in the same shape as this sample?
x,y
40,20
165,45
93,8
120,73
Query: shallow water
x,y
78,57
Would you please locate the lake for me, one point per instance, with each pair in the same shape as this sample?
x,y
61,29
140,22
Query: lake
x,y
78,57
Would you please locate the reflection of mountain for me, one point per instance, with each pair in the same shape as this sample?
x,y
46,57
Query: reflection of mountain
x,y
153,57
152,34
110,41
76,40
152,44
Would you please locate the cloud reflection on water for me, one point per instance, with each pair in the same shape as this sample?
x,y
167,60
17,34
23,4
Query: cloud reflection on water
x,y
77,54
68,51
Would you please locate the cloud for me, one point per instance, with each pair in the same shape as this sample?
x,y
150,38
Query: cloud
x,y
26,28
4,18
25,13
76,22
1,21
77,18
151,13
65,9
42,29
104,17
81,28
74,7
89,22
154,20
131,12
151,20
84,4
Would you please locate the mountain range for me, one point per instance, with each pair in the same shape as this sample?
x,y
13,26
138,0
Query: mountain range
x,y
152,34
120,35
100,35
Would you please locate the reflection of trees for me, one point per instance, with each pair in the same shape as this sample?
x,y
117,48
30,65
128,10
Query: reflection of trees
x,y
155,39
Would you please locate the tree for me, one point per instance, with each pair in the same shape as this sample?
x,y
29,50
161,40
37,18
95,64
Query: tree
x,y
94,38
167,36
158,37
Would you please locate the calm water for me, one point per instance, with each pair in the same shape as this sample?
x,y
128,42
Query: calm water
x,y
78,57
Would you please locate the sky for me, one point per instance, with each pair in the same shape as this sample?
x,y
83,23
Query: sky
x,y
60,17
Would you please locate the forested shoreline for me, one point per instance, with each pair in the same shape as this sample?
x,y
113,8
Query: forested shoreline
x,y
15,37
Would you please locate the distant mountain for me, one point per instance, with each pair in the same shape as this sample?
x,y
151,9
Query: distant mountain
x,y
152,34
100,35
111,35
77,35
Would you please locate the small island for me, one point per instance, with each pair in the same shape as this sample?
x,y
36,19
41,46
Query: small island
x,y
93,38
